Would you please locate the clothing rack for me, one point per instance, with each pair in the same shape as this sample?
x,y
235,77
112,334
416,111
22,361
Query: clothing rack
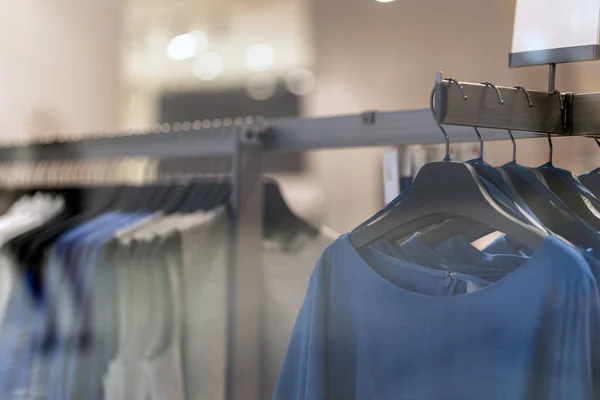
x,y
245,140
213,138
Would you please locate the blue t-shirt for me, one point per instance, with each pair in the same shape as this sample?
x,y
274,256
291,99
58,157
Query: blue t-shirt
x,y
531,335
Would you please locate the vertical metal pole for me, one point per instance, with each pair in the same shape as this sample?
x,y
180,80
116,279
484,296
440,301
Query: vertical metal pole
x,y
551,77
245,272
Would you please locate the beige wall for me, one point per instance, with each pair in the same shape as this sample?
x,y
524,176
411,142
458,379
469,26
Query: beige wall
x,y
384,56
58,66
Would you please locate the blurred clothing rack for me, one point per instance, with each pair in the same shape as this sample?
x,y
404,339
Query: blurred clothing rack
x,y
213,138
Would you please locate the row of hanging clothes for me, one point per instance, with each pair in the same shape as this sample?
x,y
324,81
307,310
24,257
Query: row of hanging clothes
x,y
406,307
119,291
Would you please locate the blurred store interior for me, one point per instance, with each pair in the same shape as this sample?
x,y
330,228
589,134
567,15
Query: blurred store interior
x,y
83,65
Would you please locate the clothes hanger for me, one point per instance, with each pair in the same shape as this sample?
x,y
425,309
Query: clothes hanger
x,y
216,191
129,197
31,248
445,190
398,198
572,192
550,210
210,193
156,191
195,195
494,176
591,179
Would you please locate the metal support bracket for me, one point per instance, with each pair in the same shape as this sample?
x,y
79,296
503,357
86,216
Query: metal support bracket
x,y
482,108
245,270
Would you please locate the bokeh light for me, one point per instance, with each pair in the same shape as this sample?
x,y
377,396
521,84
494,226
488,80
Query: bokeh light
x,y
260,57
208,66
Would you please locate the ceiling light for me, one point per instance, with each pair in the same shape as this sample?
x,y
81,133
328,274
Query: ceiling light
x,y
208,66
384,1
260,57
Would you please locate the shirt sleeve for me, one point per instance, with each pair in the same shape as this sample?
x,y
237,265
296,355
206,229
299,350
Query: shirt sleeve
x,y
303,374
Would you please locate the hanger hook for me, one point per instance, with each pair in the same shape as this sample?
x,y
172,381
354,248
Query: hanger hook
x,y
512,138
446,138
519,87
460,87
561,101
480,142
550,149
514,145
489,84
464,96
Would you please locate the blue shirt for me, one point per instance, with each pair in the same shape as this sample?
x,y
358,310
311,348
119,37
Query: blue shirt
x,y
530,336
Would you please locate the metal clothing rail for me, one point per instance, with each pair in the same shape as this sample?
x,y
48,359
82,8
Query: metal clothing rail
x,y
369,129
161,142
280,135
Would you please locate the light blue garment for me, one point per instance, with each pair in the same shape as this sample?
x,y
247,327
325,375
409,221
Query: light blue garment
x,y
15,341
74,358
40,349
68,270
57,281
533,335
27,327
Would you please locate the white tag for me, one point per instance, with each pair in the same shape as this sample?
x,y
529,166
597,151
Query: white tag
x,y
391,175
473,287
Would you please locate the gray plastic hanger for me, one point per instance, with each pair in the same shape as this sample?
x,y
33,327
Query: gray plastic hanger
x,y
591,179
549,208
492,175
444,190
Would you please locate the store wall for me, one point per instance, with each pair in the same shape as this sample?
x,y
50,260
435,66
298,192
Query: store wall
x,y
384,56
58,66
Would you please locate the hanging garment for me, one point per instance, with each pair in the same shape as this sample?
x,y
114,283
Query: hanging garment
x,y
120,299
147,310
507,340
72,341
84,326
205,287
162,367
18,316
287,266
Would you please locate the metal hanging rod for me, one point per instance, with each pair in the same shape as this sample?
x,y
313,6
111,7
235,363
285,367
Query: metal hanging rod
x,y
369,129
472,104
549,111
216,138
163,141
